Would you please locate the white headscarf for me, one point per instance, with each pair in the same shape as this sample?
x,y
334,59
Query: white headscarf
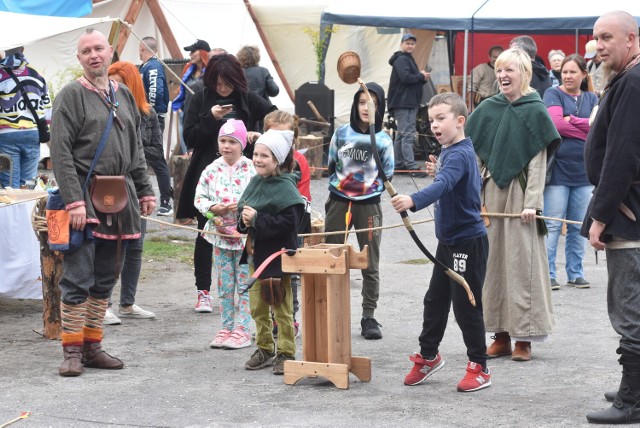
x,y
279,142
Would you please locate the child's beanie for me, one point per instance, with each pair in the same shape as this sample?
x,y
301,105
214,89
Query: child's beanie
x,y
235,129
279,142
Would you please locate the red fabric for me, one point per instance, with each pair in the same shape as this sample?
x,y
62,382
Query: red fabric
x,y
483,41
305,175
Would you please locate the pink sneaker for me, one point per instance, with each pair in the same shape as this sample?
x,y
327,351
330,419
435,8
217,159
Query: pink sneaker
x,y
221,337
238,339
474,379
204,302
422,369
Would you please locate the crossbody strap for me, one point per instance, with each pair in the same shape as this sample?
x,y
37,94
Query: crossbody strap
x,y
25,97
103,143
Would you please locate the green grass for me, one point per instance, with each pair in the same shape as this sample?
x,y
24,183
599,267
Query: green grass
x,y
159,248
416,262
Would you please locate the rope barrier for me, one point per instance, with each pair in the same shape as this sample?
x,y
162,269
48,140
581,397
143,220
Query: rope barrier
x,y
340,232
39,224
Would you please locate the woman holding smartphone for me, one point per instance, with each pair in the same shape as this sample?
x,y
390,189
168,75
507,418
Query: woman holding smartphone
x,y
225,96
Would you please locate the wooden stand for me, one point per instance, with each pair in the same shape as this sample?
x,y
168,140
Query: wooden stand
x,y
326,314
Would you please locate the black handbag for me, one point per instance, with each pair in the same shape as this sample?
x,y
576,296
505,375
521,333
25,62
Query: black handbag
x,y
44,136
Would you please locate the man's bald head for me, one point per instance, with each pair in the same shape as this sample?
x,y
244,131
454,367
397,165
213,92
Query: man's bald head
x,y
625,20
94,53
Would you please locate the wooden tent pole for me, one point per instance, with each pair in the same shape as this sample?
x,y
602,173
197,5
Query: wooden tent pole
x,y
165,29
130,18
267,46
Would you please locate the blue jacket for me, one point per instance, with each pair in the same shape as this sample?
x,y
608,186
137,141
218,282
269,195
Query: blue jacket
x,y
456,192
179,101
155,85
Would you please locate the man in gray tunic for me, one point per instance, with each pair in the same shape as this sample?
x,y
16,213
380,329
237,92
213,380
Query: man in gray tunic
x,y
80,114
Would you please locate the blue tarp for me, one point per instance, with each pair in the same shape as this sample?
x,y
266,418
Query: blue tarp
x,y
75,8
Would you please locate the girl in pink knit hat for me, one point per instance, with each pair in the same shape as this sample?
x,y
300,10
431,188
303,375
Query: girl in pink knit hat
x,y
221,185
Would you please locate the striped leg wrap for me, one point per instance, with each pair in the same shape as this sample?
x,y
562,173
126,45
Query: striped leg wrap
x,y
96,309
73,318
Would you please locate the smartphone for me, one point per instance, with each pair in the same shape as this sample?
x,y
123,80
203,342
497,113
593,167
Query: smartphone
x,y
227,106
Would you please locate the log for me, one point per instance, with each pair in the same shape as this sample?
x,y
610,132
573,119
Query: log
x,y
51,266
179,165
313,154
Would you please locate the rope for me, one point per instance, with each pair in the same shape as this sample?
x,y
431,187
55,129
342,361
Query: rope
x,y
340,232
301,235
542,217
39,224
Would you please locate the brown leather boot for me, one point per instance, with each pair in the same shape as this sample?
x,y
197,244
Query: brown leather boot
x,y
96,358
72,364
522,351
501,345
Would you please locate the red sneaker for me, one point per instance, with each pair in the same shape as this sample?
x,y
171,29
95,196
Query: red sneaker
x,y
474,379
422,369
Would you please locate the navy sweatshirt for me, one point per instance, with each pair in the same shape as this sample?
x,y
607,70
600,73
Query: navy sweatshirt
x,y
456,194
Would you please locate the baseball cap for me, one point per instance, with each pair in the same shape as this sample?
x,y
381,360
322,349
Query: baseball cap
x,y
590,49
198,45
408,36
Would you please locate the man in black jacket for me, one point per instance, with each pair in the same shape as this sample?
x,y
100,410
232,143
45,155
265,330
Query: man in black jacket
x,y
405,92
540,80
611,157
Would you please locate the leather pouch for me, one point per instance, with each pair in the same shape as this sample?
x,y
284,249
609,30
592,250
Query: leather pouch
x,y
272,291
109,194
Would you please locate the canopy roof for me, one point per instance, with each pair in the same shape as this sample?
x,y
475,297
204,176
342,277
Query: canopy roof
x,y
39,27
478,15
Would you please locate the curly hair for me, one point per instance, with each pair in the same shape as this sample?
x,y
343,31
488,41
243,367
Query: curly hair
x,y
133,80
249,56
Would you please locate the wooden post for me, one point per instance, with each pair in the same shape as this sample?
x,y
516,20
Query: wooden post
x,y
51,265
130,17
165,30
179,165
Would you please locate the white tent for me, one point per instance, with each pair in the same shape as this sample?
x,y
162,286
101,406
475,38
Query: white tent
x,y
223,23
370,28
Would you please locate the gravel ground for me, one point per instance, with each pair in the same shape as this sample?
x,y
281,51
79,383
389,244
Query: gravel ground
x,y
172,378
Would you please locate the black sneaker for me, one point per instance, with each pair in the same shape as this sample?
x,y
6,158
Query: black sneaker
x,y
578,283
420,174
554,284
370,328
165,209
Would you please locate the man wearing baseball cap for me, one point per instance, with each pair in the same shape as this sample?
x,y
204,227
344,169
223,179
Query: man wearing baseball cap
x,y
594,66
405,93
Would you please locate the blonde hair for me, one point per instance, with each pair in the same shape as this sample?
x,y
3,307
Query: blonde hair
x,y
284,118
518,57
281,117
